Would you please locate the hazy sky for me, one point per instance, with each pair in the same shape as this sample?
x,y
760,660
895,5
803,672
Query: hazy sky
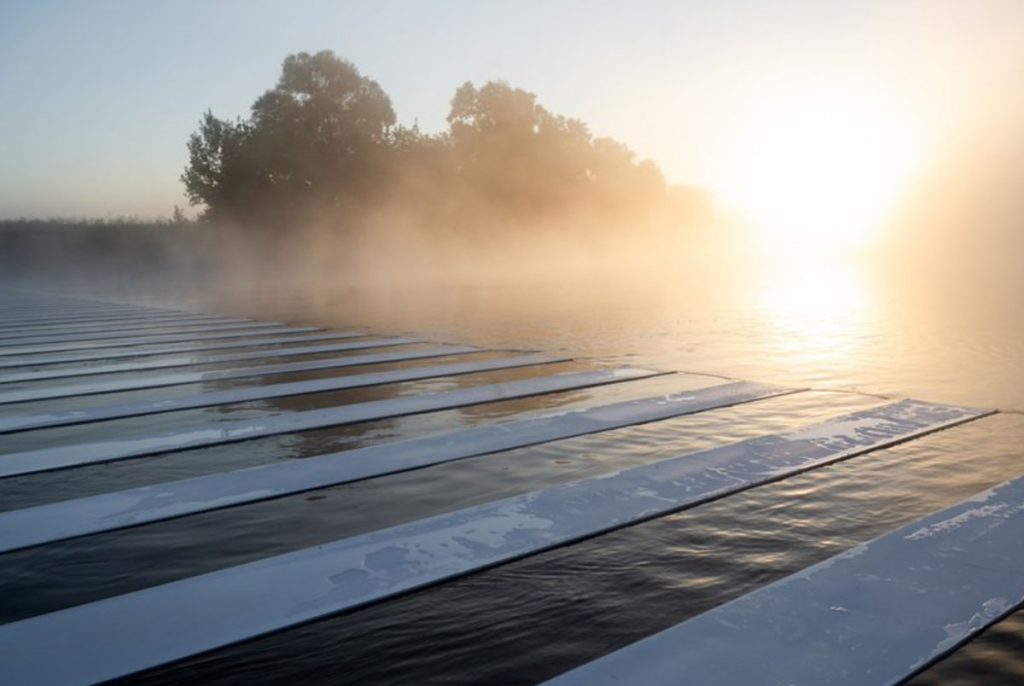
x,y
100,96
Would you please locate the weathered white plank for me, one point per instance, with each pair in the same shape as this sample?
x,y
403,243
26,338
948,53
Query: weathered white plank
x,y
176,620
112,354
43,309
66,390
83,316
168,362
38,337
243,394
132,507
45,459
135,342
93,327
872,616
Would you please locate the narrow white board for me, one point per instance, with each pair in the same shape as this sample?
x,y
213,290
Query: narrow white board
x,y
60,457
132,507
99,413
114,353
66,390
93,317
135,341
193,361
52,309
872,616
164,623
91,327
49,338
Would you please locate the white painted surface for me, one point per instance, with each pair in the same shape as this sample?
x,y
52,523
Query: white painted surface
x,y
111,354
125,634
196,360
108,333
872,616
242,394
133,341
109,511
45,459
68,390
7,333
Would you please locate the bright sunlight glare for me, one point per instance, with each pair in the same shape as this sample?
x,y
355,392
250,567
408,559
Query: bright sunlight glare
x,y
816,173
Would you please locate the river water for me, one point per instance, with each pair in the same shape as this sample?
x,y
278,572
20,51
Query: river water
x,y
850,337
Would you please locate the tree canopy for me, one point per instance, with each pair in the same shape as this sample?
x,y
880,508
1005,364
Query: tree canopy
x,y
324,143
311,143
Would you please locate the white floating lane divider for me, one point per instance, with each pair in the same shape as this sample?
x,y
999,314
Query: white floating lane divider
x,y
90,327
72,518
12,324
48,338
60,457
172,621
872,616
51,392
189,361
114,354
37,310
135,341
243,394
83,317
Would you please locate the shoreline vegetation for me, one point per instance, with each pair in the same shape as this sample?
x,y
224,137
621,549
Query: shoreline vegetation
x,y
321,186
320,180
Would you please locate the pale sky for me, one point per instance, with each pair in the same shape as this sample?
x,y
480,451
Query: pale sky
x,y
99,97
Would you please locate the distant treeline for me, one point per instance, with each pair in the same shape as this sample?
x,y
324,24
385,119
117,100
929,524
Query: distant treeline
x,y
323,148
123,249
320,179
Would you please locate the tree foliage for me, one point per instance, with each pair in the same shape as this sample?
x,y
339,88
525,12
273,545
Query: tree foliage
x,y
311,143
324,143
532,162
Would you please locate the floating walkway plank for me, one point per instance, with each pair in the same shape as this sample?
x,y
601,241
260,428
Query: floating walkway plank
x,y
60,457
59,304
109,511
95,317
62,358
872,616
43,310
49,338
243,394
38,301
134,341
52,392
149,365
91,327
164,623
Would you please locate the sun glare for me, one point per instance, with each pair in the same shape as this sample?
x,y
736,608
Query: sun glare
x,y
818,173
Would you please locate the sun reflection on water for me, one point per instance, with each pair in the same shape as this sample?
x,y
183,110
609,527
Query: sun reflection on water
x,y
819,315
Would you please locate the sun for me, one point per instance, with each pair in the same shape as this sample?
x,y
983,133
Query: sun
x,y
817,172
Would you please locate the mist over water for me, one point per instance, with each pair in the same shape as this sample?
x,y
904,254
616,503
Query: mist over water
x,y
931,309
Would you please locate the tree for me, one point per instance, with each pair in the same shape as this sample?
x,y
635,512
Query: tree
x,y
215,173
523,159
311,143
323,147
529,162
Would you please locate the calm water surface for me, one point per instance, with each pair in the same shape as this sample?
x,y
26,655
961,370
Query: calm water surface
x,y
849,338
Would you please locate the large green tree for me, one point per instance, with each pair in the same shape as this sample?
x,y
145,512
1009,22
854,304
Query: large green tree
x,y
314,143
323,146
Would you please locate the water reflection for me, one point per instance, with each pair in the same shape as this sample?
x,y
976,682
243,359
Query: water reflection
x,y
817,317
